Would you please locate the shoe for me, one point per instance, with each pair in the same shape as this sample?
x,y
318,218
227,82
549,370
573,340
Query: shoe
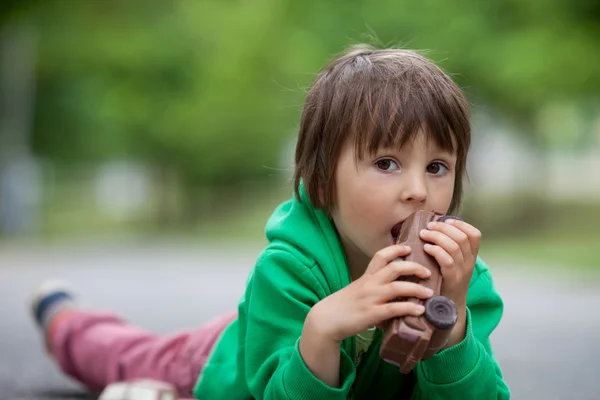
x,y
50,298
141,389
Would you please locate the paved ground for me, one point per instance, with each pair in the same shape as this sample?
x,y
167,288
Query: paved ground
x,y
547,342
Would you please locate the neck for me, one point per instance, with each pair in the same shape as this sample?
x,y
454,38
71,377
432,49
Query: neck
x,y
355,258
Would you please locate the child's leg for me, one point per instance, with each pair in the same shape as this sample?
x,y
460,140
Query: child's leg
x,y
98,349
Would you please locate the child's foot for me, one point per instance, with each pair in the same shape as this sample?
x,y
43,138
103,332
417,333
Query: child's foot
x,y
140,389
49,300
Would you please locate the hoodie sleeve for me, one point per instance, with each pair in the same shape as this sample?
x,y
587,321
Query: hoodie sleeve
x,y
468,370
280,294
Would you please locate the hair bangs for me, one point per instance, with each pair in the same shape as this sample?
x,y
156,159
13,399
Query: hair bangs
x,y
390,116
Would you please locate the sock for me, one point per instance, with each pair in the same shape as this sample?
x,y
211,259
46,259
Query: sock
x,y
50,305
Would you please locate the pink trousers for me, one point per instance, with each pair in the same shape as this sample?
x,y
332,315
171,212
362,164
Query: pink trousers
x,y
97,349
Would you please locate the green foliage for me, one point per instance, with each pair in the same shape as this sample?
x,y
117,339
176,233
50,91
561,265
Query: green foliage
x,y
213,89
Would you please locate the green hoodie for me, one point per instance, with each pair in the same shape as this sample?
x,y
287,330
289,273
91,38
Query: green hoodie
x,y
257,355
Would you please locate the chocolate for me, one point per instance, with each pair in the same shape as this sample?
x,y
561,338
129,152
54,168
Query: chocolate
x,y
407,340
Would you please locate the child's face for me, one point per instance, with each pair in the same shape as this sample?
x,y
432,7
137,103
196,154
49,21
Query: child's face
x,y
377,192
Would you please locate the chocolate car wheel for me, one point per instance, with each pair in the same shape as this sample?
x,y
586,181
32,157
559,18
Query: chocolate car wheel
x,y
441,312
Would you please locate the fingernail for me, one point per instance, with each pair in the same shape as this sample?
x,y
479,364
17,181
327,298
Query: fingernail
x,y
431,225
424,231
426,246
420,308
429,291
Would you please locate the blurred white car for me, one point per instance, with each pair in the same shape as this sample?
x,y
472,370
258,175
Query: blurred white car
x,y
143,389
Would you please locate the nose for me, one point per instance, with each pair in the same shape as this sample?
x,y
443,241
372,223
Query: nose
x,y
415,188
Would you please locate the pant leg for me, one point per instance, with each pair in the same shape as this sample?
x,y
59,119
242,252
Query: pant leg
x,y
97,349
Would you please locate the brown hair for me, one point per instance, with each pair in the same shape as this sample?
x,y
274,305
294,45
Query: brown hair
x,y
378,98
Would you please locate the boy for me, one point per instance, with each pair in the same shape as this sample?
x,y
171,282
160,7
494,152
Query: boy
x,y
383,133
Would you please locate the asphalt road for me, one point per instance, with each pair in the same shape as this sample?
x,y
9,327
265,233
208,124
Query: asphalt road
x,y
547,343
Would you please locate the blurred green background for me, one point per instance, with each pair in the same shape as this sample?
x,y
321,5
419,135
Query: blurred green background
x,y
129,120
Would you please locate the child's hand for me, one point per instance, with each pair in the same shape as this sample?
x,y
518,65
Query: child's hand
x,y
454,245
367,302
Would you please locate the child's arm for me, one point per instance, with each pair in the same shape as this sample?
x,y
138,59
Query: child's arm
x,y
292,353
320,353
279,296
469,369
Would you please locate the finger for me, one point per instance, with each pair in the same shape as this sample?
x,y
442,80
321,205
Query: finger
x,y
396,309
395,269
384,256
442,257
473,234
453,232
398,289
445,242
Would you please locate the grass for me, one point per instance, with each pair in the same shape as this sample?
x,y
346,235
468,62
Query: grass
x,y
72,215
550,249
567,236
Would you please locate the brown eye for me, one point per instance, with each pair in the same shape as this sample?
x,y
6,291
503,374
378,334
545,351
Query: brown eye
x,y
386,165
436,168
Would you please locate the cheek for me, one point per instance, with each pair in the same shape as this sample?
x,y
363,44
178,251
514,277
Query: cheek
x,y
359,200
365,208
443,197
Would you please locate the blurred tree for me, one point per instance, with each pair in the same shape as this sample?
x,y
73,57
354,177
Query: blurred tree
x,y
8,8
209,91
170,85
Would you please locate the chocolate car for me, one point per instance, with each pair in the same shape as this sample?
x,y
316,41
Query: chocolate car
x,y
407,340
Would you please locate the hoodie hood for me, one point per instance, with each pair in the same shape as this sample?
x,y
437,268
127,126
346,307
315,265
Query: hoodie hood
x,y
310,230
